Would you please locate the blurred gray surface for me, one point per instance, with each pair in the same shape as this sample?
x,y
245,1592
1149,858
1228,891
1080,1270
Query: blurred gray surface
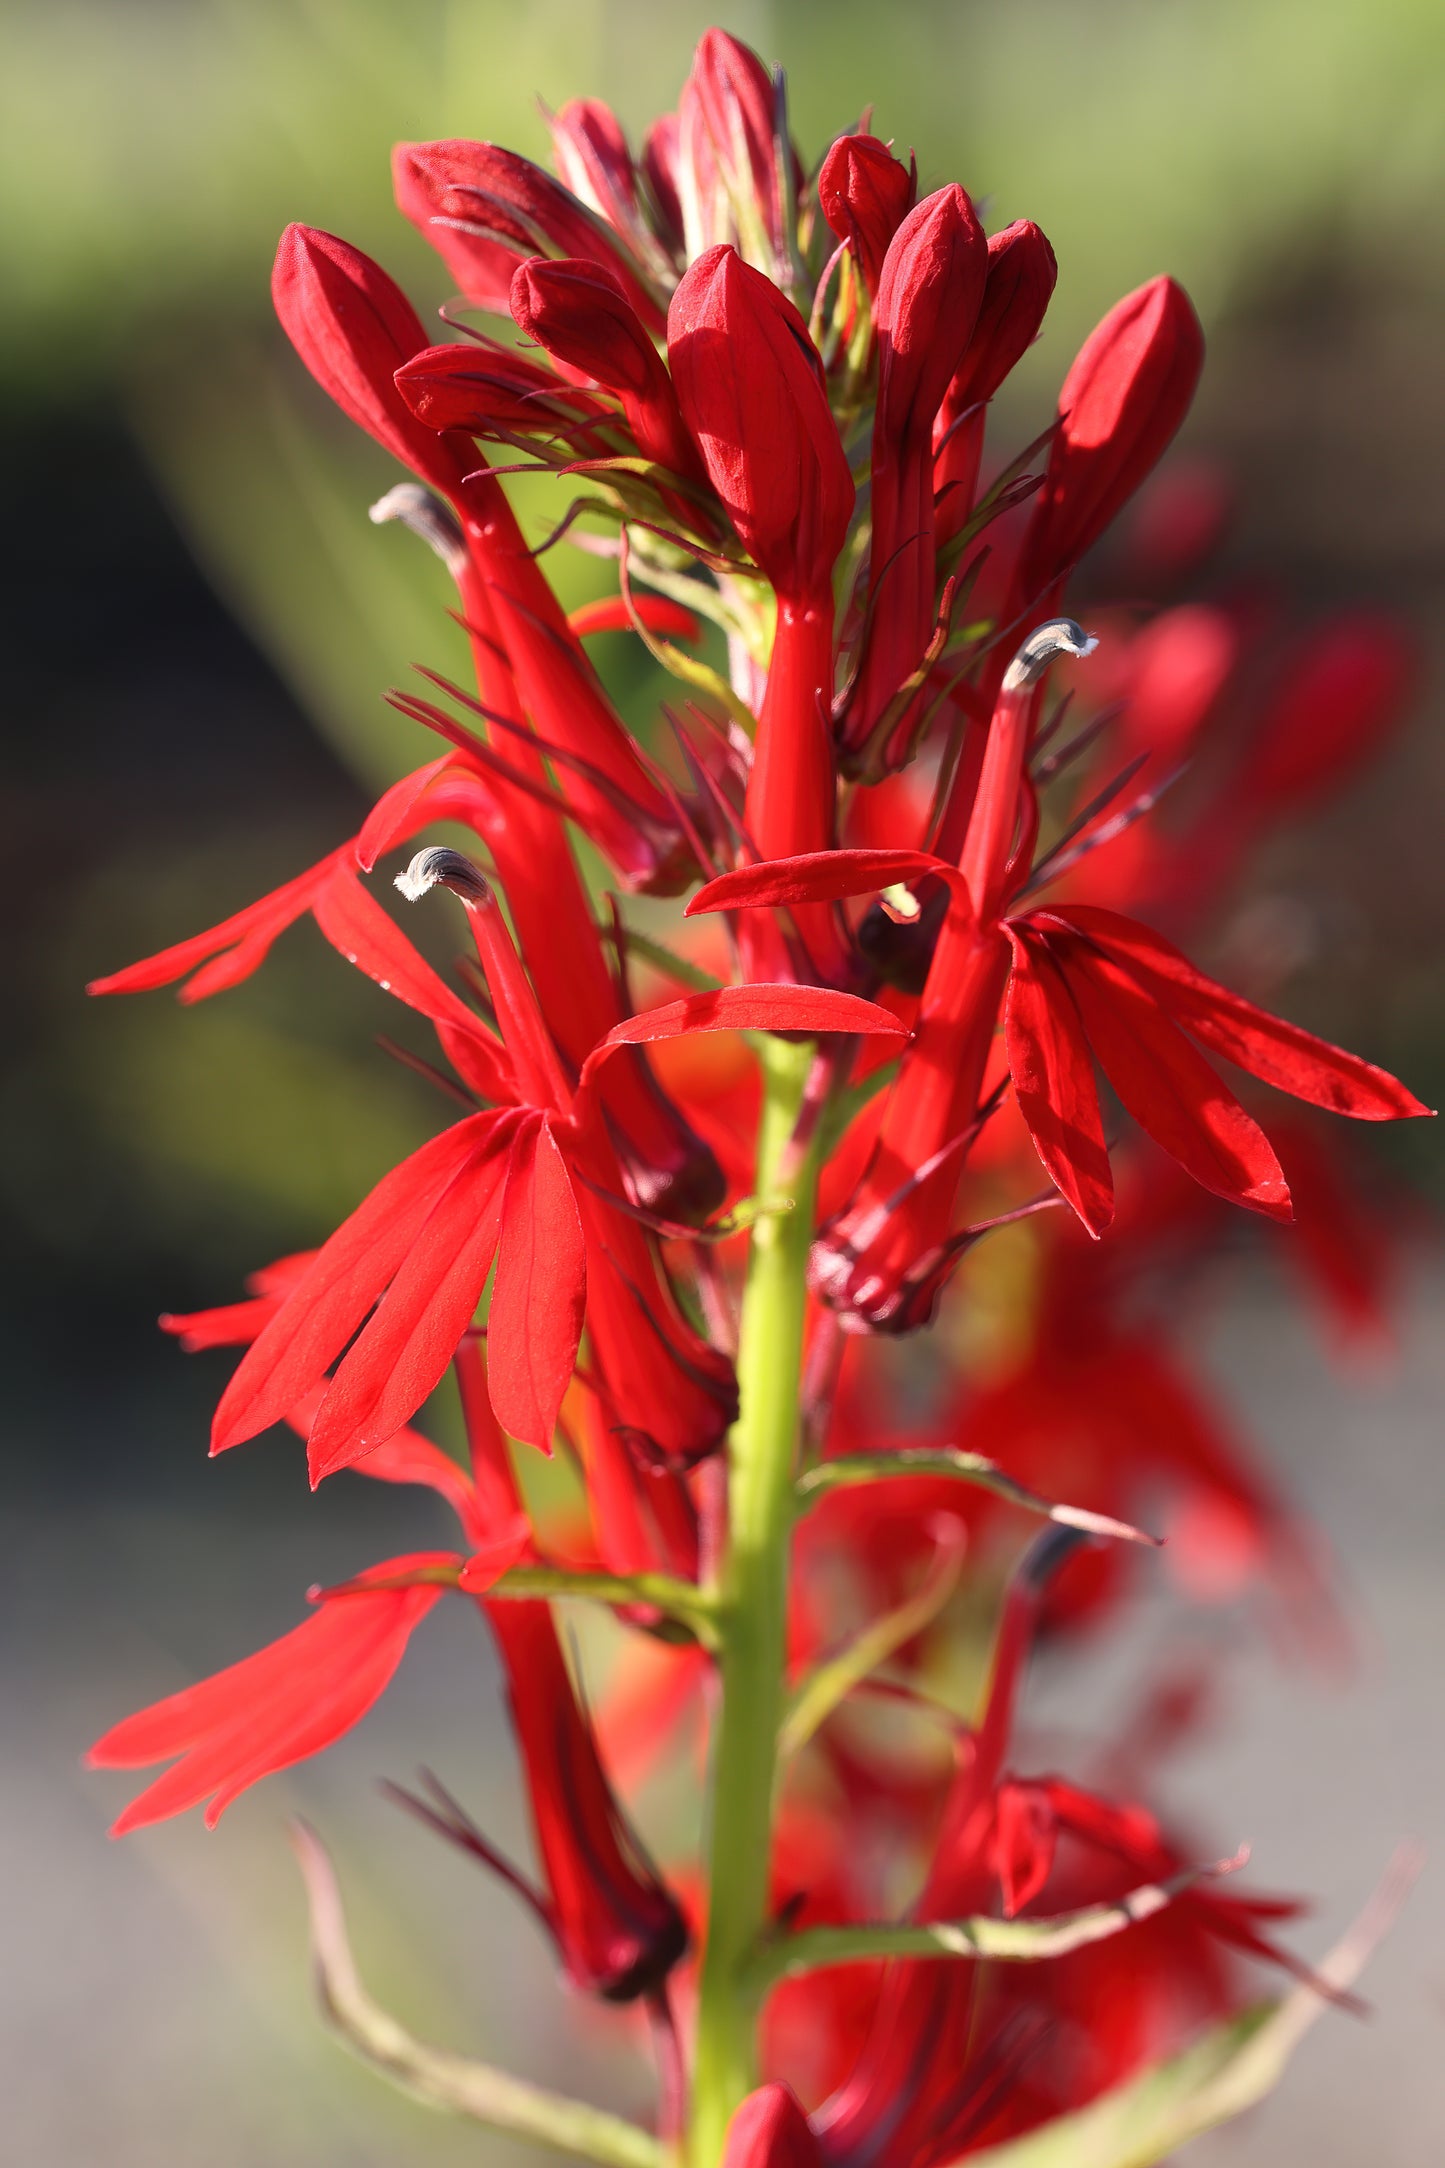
x,y
155,2003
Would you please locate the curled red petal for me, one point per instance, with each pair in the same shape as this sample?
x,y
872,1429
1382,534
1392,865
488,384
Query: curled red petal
x,y
656,612
817,877
814,1010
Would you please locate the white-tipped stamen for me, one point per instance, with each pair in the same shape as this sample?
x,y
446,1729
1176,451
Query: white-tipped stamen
x,y
1060,636
427,516
900,903
438,867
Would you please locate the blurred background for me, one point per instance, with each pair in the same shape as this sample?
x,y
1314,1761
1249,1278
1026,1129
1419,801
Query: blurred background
x,y
199,625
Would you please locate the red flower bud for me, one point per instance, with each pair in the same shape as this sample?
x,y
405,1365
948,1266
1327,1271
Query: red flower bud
x,y
770,2130
353,327
618,1928
594,161
1122,402
485,210
661,155
580,314
928,299
729,178
481,389
1018,286
750,385
864,193
929,293
1017,289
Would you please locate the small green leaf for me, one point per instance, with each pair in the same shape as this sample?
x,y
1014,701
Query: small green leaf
x,y
434,2076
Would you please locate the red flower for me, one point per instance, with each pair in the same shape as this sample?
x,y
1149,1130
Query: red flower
x,y
770,2130
1129,389
734,176
864,192
484,210
1079,979
751,389
579,313
929,292
355,330
1017,291
277,1707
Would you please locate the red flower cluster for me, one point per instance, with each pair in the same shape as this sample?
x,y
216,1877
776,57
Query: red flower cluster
x,y
775,391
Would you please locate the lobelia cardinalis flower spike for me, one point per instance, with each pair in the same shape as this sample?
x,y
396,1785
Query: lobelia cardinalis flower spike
x,y
751,389
567,1185
1017,289
929,291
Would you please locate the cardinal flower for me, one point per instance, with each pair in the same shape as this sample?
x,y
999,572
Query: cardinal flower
x,y
751,388
929,292
525,1186
1075,983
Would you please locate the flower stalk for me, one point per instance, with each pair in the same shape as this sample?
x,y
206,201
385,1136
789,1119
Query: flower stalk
x,y
751,1619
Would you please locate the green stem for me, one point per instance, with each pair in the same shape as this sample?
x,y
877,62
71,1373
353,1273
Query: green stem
x,y
752,1616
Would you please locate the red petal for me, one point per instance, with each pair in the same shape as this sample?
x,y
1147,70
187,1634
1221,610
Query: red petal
x,y
535,1321
817,877
397,812
286,1701
250,933
1170,1090
496,1556
657,613
356,925
402,1353
1281,1054
345,1279
810,1009
1024,1841
1053,1074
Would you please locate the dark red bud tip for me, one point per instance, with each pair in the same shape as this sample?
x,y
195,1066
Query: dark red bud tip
x,y
865,193
579,313
770,2130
